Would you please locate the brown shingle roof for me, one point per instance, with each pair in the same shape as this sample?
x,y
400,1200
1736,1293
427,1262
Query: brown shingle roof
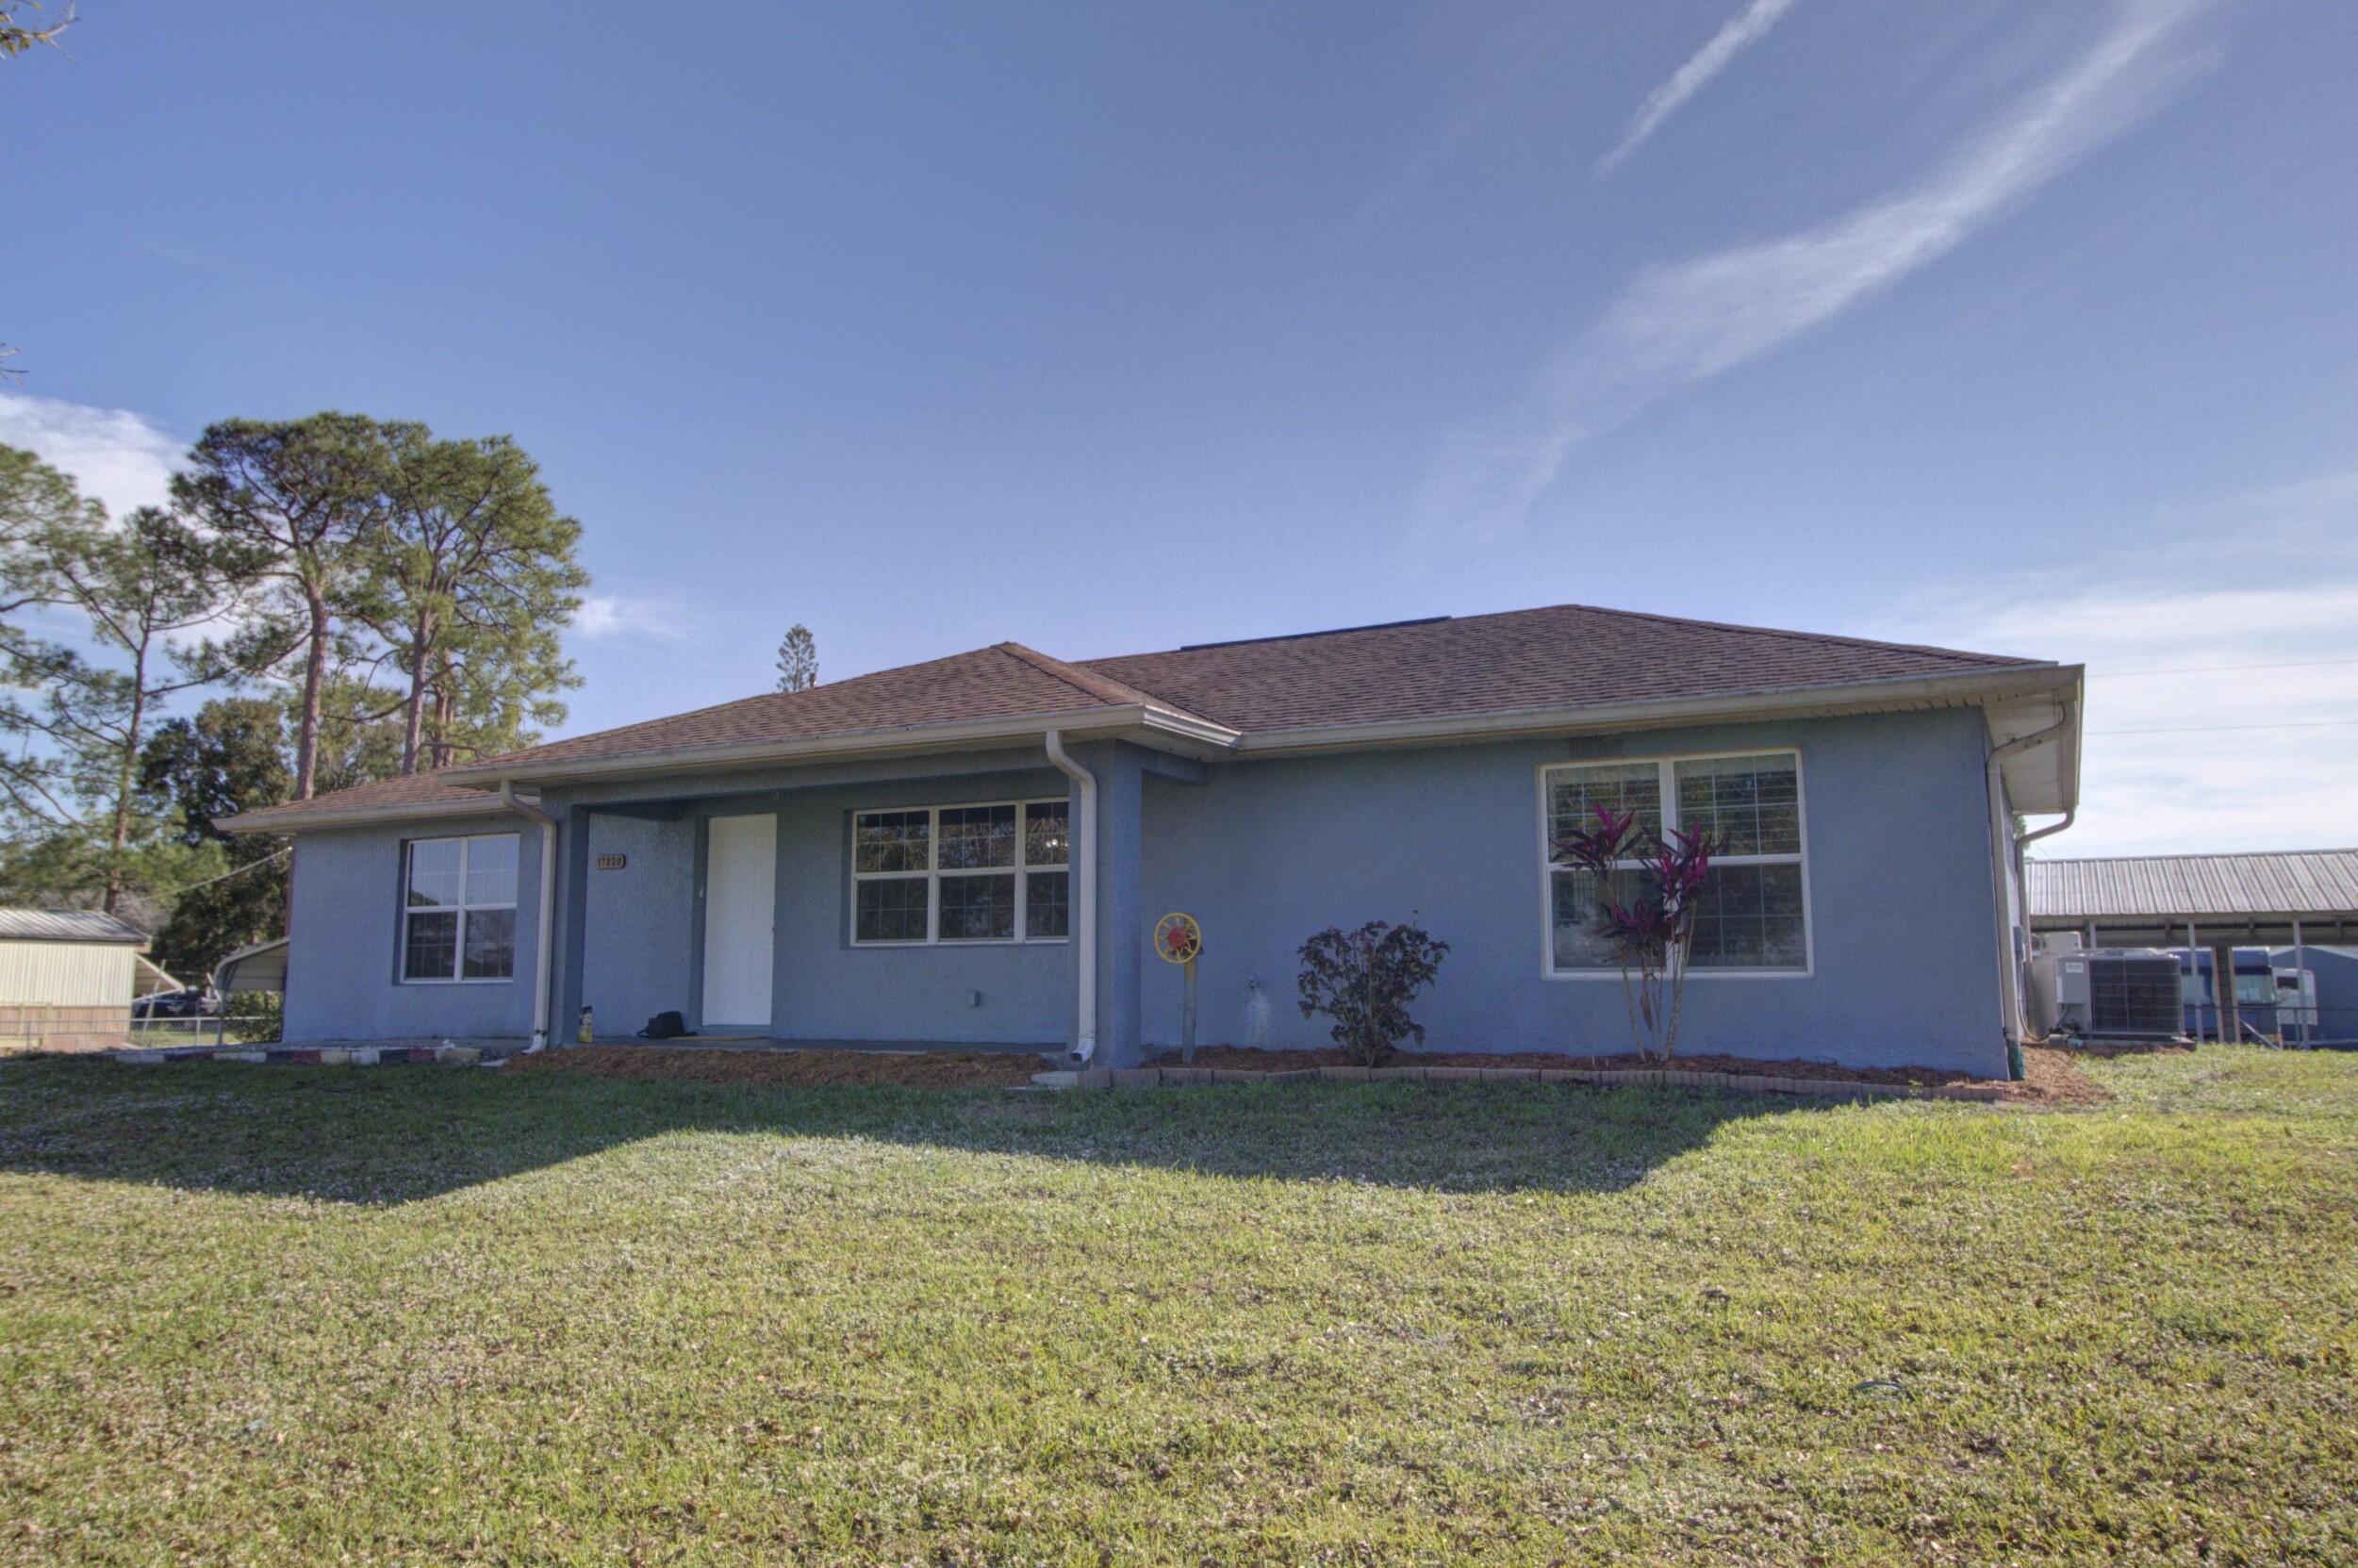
x,y
1004,681
1569,656
419,790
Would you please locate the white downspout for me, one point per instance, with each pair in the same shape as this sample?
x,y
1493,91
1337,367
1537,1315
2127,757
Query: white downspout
x,y
2005,851
543,938
1085,896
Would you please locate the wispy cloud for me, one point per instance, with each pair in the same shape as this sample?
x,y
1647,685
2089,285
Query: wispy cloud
x,y
1742,30
2217,717
124,459
1675,325
606,616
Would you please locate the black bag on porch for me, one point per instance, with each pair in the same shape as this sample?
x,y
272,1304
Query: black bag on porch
x,y
663,1026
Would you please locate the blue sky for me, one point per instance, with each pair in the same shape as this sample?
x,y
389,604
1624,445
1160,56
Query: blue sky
x,y
2028,325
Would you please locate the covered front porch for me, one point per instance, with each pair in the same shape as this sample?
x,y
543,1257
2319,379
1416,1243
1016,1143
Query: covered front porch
x,y
957,900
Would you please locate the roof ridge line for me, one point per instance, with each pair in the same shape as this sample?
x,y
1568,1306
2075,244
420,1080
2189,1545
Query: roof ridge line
x,y
1789,633
1785,632
726,704
1104,687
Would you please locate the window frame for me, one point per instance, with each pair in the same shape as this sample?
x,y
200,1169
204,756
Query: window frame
x,y
1666,765
459,975
1021,868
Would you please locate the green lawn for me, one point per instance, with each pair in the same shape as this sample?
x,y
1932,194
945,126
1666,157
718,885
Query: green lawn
x,y
281,1316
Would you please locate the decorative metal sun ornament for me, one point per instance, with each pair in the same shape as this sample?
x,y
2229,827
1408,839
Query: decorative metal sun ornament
x,y
1178,938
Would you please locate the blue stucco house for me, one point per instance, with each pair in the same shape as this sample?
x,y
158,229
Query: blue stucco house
x,y
976,849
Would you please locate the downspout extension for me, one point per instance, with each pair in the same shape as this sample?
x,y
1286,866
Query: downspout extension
x,y
543,938
2006,848
1085,896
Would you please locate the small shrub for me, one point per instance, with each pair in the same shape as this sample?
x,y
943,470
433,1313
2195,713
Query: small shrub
x,y
1364,980
254,1018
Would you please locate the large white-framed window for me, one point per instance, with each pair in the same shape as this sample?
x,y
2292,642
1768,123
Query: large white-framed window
x,y
1754,915
459,910
989,871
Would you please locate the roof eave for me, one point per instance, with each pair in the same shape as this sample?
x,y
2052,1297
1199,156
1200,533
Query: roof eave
x,y
1200,737
348,816
1973,689
1154,724
90,941
905,739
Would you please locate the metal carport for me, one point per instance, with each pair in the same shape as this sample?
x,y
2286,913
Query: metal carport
x,y
2272,900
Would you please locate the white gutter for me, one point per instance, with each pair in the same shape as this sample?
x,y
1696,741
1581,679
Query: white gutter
x,y
2004,848
1084,853
2070,815
259,820
543,938
1978,688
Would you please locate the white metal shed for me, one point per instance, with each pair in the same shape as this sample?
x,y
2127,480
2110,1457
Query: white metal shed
x,y
66,973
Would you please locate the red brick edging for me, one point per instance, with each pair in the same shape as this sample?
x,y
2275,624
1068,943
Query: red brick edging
x,y
1756,1084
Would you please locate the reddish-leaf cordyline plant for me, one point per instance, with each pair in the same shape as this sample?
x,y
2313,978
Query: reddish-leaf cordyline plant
x,y
1652,932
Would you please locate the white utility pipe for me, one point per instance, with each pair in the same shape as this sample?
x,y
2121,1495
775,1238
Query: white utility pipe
x,y
2006,850
1084,858
543,937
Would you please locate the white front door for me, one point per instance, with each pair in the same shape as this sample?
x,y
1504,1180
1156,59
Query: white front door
x,y
740,908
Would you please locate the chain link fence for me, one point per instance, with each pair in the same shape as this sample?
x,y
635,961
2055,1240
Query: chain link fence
x,y
253,1019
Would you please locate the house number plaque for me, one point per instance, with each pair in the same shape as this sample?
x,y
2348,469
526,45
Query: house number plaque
x,y
613,863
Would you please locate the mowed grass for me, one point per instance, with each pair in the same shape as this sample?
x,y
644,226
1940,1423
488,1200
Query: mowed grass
x,y
289,1315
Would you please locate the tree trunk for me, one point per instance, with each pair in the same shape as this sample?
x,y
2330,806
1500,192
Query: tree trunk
x,y
314,680
121,829
414,710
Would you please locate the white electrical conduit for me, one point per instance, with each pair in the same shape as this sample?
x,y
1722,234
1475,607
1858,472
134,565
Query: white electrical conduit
x,y
2005,863
543,937
1084,858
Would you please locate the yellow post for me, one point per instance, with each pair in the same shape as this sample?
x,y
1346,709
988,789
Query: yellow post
x,y
1178,939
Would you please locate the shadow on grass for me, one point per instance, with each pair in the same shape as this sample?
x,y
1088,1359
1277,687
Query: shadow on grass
x,y
397,1134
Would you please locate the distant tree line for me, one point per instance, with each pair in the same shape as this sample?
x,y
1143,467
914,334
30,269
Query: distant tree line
x,y
343,599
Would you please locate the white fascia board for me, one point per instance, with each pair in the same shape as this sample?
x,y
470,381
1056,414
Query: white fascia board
x,y
1975,689
1155,727
355,816
909,739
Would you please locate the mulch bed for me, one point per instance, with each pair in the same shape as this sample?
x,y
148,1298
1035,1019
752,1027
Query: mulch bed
x,y
2053,1078
2056,1078
939,1069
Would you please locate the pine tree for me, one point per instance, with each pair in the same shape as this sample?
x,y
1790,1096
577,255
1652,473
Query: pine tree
x,y
81,719
305,497
798,659
474,577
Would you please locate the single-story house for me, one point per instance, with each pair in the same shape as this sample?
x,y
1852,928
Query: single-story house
x,y
976,849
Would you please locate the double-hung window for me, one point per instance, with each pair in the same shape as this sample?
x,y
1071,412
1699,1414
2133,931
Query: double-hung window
x,y
459,908
996,873
1752,914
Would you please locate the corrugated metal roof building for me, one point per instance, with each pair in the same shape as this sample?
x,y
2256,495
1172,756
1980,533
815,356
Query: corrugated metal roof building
x,y
2150,900
66,976
67,925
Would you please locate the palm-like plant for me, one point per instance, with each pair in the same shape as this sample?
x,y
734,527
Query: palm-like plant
x,y
1652,932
